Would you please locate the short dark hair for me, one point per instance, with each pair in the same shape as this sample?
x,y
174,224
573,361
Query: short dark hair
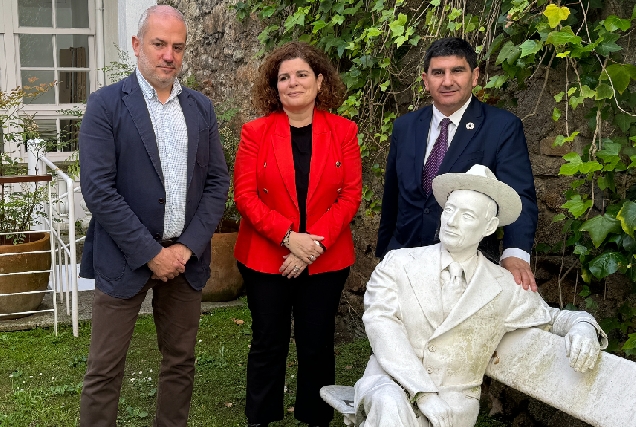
x,y
265,91
451,46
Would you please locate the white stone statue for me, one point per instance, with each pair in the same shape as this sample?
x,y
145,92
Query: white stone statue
x,y
435,314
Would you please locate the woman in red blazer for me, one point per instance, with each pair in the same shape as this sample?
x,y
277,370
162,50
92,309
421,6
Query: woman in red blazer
x,y
297,185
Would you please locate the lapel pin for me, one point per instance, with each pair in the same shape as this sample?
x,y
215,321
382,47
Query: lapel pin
x,y
337,164
470,125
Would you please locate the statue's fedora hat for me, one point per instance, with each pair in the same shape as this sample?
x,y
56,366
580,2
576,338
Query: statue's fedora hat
x,y
479,178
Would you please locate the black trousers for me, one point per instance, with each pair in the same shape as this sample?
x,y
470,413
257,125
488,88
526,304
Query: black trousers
x,y
272,299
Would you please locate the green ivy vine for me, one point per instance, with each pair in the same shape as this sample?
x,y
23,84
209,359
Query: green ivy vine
x,y
378,46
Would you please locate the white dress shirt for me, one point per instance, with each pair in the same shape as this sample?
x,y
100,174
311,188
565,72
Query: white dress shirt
x,y
171,133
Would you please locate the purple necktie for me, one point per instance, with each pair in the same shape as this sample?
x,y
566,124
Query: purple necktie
x,y
435,158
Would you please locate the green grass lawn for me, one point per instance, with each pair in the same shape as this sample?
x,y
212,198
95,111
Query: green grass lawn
x,y
41,374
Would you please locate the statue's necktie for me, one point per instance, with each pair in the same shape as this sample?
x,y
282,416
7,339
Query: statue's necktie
x,y
453,288
436,157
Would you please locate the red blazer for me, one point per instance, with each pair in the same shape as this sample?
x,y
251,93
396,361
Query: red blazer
x,y
265,191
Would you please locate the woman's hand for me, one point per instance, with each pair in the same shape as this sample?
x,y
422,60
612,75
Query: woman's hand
x,y
292,266
305,246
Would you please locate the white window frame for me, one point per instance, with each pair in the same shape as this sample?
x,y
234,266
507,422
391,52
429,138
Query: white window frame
x,y
10,70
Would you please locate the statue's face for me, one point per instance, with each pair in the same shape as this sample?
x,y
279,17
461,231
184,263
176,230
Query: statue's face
x,y
464,220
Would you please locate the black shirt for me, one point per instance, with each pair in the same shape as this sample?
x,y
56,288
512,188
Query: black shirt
x,y
301,149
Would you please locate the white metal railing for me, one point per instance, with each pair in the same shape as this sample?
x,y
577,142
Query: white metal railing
x,y
59,216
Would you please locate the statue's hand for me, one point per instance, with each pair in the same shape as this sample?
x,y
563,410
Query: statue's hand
x,y
436,410
582,346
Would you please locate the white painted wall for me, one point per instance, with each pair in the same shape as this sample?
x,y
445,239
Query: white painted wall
x,y
129,13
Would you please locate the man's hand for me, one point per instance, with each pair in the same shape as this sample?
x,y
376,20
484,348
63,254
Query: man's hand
x,y
582,347
182,252
521,271
168,263
436,410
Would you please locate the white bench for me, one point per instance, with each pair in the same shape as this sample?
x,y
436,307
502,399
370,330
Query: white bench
x,y
534,362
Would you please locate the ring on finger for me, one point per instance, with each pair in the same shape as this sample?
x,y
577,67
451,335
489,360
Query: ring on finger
x,y
311,257
295,268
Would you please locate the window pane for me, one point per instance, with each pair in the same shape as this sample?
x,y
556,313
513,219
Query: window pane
x,y
47,131
72,50
36,50
35,13
41,77
73,86
71,13
69,132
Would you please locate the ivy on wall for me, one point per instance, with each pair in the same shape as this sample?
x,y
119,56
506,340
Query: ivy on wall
x,y
378,46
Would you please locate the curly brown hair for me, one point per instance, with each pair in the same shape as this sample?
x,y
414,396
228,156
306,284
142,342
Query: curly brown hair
x,y
265,92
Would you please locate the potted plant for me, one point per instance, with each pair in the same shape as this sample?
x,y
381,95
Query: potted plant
x,y
225,282
22,199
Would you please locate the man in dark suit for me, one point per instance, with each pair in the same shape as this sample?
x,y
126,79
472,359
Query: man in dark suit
x,y
455,133
155,179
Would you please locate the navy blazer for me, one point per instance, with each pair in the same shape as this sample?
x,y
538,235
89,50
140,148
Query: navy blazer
x,y
495,139
122,184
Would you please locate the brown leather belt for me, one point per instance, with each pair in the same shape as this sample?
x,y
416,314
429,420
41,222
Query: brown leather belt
x,y
168,242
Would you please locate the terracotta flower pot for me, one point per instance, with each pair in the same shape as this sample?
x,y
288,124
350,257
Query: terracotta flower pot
x,y
24,282
225,283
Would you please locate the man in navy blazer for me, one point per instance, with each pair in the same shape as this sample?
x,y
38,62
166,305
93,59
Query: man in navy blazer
x,y
477,134
155,180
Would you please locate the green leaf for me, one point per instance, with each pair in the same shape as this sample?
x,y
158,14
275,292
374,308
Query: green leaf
x,y
624,121
558,217
591,166
580,250
572,165
629,244
621,75
630,344
556,114
297,18
506,52
585,292
613,23
599,227
318,25
397,26
338,19
604,91
496,81
556,14
559,96
373,32
607,47
575,101
606,264
530,47
586,92
627,217
563,37
576,206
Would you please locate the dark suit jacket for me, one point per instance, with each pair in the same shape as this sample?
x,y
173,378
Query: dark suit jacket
x,y
122,184
496,140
